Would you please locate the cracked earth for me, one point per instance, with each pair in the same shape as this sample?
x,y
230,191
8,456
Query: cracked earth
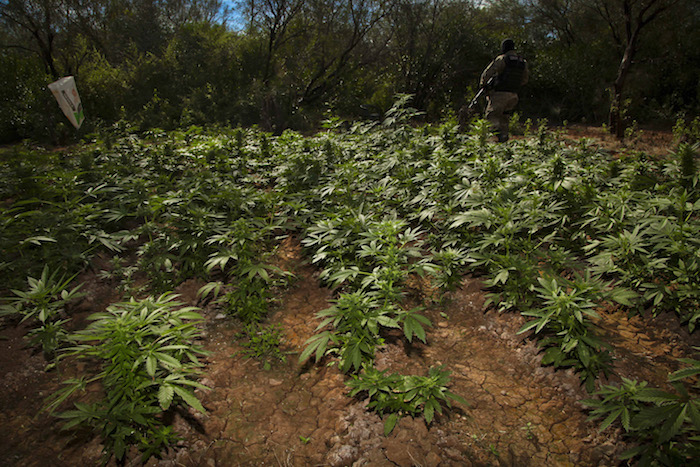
x,y
519,413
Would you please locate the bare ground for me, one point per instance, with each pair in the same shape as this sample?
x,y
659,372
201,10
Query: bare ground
x,y
519,413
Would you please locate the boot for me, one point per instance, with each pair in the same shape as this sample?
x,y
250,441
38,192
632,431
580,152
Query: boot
x,y
501,136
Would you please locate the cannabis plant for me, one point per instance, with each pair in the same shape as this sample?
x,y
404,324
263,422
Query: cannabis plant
x,y
687,155
43,303
450,264
148,360
241,254
397,395
571,338
356,319
663,426
262,342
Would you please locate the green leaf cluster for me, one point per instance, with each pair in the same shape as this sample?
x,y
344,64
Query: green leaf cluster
x,y
262,342
44,303
241,255
356,321
571,340
396,395
149,362
663,425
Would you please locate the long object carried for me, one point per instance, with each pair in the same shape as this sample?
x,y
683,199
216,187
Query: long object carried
x,y
475,101
66,95
467,111
491,83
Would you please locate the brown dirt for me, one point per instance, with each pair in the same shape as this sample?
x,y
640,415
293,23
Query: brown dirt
x,y
519,413
657,142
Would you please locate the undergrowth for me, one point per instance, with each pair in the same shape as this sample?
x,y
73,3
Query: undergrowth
x,y
557,233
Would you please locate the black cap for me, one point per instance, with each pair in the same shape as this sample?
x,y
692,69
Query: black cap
x,y
507,45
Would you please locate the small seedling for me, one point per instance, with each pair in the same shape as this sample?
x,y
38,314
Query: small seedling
x,y
263,343
528,430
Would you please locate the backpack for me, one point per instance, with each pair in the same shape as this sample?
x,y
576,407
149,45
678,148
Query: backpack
x,y
512,76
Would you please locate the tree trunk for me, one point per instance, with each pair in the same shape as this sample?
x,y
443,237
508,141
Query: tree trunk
x,y
616,118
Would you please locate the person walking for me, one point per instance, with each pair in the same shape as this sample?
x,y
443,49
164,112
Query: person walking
x,y
509,72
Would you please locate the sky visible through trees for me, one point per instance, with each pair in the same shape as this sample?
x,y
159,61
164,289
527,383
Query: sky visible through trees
x,y
290,63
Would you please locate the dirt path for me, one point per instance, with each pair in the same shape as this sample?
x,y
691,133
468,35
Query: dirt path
x,y
520,414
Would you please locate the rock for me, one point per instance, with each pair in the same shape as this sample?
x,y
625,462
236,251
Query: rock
x,y
341,456
398,452
604,450
374,458
560,431
432,459
453,454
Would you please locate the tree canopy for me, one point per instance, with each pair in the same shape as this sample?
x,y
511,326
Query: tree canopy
x,y
287,63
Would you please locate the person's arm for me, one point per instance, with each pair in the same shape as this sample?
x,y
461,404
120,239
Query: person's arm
x,y
494,68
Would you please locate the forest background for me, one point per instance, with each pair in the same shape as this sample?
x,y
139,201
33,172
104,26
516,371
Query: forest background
x,y
293,63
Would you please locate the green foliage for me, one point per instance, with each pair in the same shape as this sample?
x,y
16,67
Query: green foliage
x,y
386,212
123,275
400,113
177,63
663,425
481,131
262,343
247,301
449,264
149,362
652,249
44,304
687,132
687,155
571,339
617,402
397,395
58,222
357,319
24,101
239,255
413,324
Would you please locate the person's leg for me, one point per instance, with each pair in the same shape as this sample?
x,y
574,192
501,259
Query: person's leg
x,y
502,132
508,101
494,111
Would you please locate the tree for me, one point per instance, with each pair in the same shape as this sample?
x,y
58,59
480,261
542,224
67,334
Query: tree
x,y
558,17
35,26
50,28
310,50
336,48
115,27
626,19
272,18
437,47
